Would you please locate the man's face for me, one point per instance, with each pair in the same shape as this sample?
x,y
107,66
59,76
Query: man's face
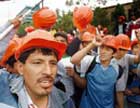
x,y
121,53
106,53
61,39
39,72
136,49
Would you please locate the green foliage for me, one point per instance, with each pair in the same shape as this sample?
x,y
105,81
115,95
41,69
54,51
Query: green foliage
x,y
119,10
21,29
136,8
100,17
64,22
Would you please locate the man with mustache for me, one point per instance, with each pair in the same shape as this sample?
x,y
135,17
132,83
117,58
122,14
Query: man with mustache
x,y
37,58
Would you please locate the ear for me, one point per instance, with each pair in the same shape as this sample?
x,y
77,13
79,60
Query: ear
x,y
19,66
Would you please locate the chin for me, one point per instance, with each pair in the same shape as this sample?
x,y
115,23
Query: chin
x,y
46,91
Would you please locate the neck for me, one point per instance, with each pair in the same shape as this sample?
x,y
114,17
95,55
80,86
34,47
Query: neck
x,y
105,63
117,57
39,100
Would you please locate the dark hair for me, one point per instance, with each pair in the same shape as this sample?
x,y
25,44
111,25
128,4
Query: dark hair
x,y
62,34
11,61
45,51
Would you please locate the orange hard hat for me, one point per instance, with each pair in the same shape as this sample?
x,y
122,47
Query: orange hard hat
x,y
90,28
10,51
44,18
124,41
110,40
40,39
86,36
82,16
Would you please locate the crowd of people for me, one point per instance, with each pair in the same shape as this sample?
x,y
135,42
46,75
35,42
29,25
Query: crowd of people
x,y
89,69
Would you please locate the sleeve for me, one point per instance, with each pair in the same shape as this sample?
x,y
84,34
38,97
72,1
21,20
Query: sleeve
x,y
85,63
4,42
69,104
130,58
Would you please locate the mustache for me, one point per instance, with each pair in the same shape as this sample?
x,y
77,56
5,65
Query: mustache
x,y
45,78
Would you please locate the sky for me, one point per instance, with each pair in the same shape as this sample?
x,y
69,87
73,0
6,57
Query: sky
x,y
9,9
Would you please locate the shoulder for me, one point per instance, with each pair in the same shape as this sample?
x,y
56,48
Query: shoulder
x,y
62,97
115,65
2,105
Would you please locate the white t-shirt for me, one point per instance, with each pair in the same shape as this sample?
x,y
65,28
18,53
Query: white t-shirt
x,y
66,80
124,63
86,61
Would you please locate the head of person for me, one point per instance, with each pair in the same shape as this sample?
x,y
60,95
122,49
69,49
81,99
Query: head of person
x,y
124,45
121,19
44,18
135,47
133,17
61,37
137,32
105,31
8,60
86,38
108,48
37,57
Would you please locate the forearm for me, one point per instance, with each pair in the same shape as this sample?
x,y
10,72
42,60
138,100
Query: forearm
x,y
77,57
80,82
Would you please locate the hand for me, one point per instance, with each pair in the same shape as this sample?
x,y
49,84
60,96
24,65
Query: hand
x,y
128,92
97,41
70,71
16,21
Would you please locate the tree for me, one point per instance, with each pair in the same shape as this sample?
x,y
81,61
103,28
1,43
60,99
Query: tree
x,y
119,11
136,8
100,17
64,22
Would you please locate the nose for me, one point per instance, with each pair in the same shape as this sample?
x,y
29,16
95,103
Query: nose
x,y
102,50
47,69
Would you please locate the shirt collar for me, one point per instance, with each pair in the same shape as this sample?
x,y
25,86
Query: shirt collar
x,y
113,63
29,100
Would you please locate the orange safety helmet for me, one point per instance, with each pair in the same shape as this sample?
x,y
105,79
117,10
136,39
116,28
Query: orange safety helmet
x,y
10,51
90,28
82,16
86,36
110,40
124,41
44,18
40,39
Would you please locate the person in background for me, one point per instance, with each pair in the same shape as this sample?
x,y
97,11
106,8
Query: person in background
x,y
8,71
124,60
132,26
63,65
132,91
120,27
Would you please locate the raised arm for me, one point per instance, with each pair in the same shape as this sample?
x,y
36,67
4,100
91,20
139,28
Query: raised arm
x,y
77,57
